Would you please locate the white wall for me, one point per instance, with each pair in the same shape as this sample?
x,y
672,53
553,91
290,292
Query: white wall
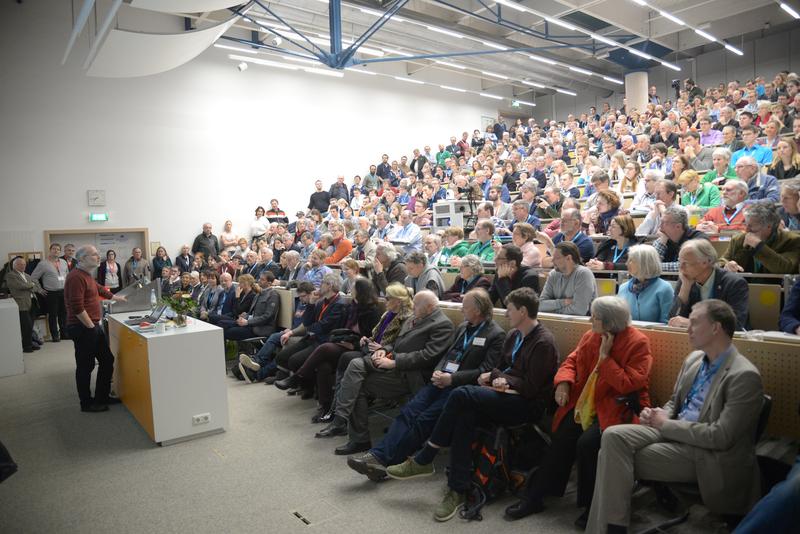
x,y
202,142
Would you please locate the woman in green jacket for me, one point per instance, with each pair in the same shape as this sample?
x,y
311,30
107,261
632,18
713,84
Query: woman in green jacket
x,y
704,195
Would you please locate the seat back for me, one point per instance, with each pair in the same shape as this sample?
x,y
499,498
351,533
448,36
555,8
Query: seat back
x,y
763,417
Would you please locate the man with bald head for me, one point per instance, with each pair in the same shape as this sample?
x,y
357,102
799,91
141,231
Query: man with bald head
x,y
394,370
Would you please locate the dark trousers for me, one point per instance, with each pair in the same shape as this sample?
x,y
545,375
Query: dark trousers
x,y
778,510
569,441
265,356
411,428
56,313
238,333
467,408
292,357
341,367
26,329
320,366
91,345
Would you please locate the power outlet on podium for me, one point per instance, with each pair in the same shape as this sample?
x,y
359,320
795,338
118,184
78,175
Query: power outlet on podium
x,y
201,419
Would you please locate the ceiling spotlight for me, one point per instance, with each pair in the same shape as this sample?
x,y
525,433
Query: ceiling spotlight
x,y
276,41
242,66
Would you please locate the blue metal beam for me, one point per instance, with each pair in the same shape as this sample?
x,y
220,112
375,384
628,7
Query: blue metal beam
x,y
335,26
319,53
347,55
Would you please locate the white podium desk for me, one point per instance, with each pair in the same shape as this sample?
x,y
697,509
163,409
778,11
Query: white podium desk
x,y
11,362
173,383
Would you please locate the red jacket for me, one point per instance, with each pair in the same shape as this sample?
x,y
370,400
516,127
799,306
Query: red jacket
x,y
626,370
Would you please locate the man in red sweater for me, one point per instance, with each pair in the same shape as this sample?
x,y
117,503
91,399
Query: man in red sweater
x,y
82,296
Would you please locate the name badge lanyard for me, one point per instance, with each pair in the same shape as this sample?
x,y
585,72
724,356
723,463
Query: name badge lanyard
x,y
619,254
735,213
465,284
515,350
706,373
483,247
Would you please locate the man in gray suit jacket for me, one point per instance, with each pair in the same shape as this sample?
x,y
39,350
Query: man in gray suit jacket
x,y
22,288
705,433
399,369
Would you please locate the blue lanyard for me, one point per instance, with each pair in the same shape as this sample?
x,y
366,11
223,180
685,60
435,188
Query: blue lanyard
x,y
705,374
468,341
515,350
618,255
466,283
483,247
692,198
735,213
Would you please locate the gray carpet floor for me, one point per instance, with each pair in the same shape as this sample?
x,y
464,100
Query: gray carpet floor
x,y
88,473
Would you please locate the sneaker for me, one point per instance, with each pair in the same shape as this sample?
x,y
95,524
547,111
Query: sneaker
x,y
248,362
410,469
450,505
248,374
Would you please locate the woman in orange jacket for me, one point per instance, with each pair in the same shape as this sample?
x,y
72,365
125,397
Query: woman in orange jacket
x,y
602,383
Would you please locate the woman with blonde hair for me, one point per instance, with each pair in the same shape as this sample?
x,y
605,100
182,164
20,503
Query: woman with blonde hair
x,y
705,195
786,163
616,169
631,178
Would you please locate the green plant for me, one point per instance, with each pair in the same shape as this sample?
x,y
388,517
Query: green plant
x,y
181,303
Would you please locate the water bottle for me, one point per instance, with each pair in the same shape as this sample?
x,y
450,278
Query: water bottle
x,y
153,299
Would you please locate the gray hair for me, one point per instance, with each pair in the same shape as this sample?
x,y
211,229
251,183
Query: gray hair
x,y
520,204
654,174
530,185
328,238
648,260
417,258
291,254
362,233
742,186
388,250
722,152
571,214
792,185
473,263
436,238
334,281
678,215
748,160
702,250
83,251
764,212
613,312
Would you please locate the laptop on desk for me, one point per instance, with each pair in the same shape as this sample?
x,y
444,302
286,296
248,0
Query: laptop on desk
x,y
152,318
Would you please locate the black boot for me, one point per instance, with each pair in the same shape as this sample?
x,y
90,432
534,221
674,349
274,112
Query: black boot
x,y
290,382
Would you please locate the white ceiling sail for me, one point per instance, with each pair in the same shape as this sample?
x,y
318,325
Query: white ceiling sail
x,y
184,6
128,54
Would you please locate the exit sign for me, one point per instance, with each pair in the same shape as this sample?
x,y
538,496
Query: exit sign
x,y
98,217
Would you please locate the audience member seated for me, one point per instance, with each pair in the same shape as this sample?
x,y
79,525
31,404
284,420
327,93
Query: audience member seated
x,y
523,237
675,231
432,245
761,186
571,224
262,318
679,165
705,195
521,212
388,267
721,168
407,234
761,155
423,276
316,269
787,161
361,317
510,275
790,204
570,287
470,277
225,301
263,363
645,199
328,313
612,360
482,247
600,181
476,350
666,193
606,208
392,371
764,247
515,391
342,247
210,296
729,217
291,268
612,254
649,296
790,316
549,205
566,188
454,245
700,279
703,435
244,295
700,157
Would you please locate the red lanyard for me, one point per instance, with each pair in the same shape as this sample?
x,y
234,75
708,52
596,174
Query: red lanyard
x,y
325,307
